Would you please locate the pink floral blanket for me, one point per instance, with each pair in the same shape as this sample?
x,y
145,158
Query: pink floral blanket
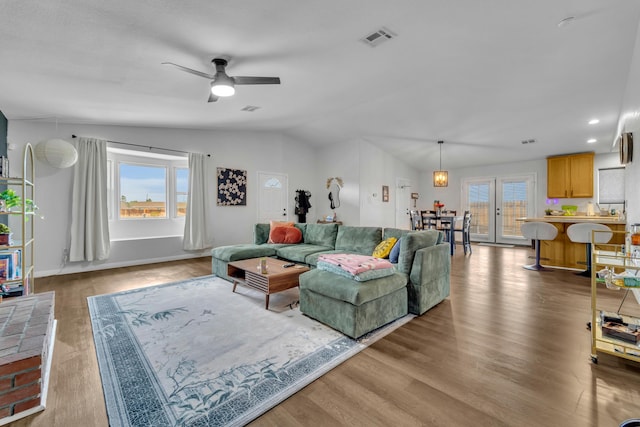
x,y
356,264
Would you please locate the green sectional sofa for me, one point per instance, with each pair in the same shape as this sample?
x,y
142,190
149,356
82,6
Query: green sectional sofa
x,y
420,282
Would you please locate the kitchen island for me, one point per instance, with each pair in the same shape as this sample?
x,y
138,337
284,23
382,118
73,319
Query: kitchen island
x,y
562,252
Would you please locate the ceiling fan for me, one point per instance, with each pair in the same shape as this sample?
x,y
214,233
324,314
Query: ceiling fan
x,y
224,85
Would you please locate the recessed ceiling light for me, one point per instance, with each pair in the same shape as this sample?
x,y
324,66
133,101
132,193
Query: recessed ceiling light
x,y
592,140
594,121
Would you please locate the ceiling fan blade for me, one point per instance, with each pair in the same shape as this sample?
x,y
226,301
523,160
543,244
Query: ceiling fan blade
x,y
212,97
243,80
189,70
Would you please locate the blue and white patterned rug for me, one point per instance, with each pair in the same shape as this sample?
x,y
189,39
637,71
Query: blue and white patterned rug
x,y
194,353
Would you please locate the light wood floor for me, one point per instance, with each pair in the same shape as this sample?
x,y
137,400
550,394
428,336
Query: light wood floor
x,y
509,347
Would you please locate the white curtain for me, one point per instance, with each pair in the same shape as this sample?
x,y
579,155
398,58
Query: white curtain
x,y
89,215
197,229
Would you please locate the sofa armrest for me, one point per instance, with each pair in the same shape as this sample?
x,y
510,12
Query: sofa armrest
x,y
429,279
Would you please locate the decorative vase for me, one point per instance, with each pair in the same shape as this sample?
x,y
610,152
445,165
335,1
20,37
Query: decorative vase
x,y
5,239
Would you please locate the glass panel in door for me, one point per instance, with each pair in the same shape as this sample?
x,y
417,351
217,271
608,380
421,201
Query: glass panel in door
x,y
515,200
479,198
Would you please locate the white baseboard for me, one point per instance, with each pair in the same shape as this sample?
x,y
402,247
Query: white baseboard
x,y
71,268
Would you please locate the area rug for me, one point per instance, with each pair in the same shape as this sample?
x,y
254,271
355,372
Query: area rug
x,y
194,353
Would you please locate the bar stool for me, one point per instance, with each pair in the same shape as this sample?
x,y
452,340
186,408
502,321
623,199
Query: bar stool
x,y
581,233
538,231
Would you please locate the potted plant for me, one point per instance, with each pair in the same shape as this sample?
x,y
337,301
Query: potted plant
x,y
5,235
10,199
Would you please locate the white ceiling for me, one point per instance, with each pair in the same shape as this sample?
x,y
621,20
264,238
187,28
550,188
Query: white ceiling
x,y
480,75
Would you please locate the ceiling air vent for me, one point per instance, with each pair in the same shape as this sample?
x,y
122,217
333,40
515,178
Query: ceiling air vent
x,y
250,108
379,36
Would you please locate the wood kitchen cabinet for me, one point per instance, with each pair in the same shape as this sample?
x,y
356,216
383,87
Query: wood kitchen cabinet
x,y
570,176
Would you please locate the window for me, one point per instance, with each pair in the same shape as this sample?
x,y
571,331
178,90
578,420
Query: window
x,y
182,190
147,194
143,191
611,186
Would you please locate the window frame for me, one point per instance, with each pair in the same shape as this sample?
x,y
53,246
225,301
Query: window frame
x,y
172,225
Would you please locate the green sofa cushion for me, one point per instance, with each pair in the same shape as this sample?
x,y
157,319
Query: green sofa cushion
x,y
394,232
344,289
321,235
243,251
361,240
300,251
413,241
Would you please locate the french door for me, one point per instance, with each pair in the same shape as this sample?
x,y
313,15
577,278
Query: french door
x,y
496,203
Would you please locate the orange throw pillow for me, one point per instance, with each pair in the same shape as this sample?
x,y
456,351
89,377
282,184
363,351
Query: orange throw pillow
x,y
274,225
286,235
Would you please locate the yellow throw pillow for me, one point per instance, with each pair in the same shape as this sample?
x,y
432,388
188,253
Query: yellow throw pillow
x,y
384,248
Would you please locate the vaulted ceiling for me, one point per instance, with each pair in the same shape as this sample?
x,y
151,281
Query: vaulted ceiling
x,y
481,75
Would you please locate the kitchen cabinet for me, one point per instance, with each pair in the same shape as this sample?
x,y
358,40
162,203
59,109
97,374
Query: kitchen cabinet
x,y
570,176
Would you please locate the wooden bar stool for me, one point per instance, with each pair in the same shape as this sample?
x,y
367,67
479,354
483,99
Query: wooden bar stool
x,y
538,231
581,233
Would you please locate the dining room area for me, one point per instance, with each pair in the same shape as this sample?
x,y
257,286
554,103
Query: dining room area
x,y
448,221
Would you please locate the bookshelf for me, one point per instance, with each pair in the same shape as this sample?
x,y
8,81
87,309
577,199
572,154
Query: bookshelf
x,y
17,256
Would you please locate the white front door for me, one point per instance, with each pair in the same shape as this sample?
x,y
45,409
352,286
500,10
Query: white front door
x,y
273,190
403,203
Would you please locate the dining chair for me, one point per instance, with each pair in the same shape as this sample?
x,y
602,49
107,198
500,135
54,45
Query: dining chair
x,y
428,219
465,229
446,223
416,220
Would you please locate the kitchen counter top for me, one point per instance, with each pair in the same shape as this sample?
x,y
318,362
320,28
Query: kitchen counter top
x,y
575,219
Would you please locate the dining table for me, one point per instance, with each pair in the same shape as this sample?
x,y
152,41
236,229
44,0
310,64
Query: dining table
x,y
445,218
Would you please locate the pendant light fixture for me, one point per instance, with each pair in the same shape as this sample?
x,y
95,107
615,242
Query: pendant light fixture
x,y
440,177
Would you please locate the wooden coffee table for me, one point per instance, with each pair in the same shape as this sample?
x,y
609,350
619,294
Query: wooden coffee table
x,y
277,279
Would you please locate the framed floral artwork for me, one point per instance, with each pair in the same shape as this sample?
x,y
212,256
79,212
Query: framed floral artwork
x,y
232,187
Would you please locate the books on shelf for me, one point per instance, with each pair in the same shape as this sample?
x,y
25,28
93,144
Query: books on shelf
x,y
10,264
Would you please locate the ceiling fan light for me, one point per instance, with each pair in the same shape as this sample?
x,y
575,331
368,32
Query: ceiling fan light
x,y
222,89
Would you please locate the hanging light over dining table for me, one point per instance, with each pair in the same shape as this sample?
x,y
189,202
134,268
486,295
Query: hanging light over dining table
x,y
440,177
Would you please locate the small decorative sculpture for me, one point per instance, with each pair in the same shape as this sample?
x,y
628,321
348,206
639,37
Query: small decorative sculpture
x,y
334,185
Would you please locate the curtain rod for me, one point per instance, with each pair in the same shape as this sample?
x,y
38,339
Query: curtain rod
x,y
146,146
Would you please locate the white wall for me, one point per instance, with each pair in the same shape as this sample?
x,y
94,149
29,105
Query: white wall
x,y
339,160
378,168
252,151
630,122
364,169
